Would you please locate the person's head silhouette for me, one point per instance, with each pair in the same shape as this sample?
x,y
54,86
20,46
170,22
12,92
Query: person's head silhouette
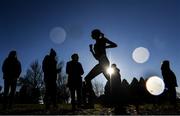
x,y
113,65
165,65
96,34
12,54
75,57
52,53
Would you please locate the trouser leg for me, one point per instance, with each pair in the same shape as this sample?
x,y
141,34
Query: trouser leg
x,y
79,95
54,95
72,91
12,92
6,92
172,96
47,97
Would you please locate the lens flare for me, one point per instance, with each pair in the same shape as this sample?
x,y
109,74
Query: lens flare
x,y
57,35
110,70
140,55
155,85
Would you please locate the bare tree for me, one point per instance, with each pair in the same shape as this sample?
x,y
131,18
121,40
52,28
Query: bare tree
x,y
32,82
98,87
35,74
61,80
62,91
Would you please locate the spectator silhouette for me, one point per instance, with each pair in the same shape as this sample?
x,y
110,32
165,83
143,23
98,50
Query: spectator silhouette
x,y
115,80
113,85
50,70
170,81
11,71
99,53
74,70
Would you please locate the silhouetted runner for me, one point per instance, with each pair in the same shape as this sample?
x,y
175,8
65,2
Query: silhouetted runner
x,y
74,70
50,70
99,53
170,81
11,71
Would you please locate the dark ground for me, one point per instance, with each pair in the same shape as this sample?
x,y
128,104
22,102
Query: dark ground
x,y
147,109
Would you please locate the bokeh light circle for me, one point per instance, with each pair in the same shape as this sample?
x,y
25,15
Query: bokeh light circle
x,y
155,85
140,55
57,35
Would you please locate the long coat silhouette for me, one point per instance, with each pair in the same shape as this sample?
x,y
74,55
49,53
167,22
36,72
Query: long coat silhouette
x,y
11,71
170,81
112,87
50,70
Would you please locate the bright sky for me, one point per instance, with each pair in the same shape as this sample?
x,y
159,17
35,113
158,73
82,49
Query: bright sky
x,y
32,27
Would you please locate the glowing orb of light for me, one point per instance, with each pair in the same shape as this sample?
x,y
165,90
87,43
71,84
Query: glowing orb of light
x,y
110,70
57,35
155,85
140,55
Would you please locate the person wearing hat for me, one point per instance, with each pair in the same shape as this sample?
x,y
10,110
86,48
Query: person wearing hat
x,y
50,70
11,69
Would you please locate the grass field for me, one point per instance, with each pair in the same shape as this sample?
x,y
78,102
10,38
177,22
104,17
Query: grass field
x,y
37,109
